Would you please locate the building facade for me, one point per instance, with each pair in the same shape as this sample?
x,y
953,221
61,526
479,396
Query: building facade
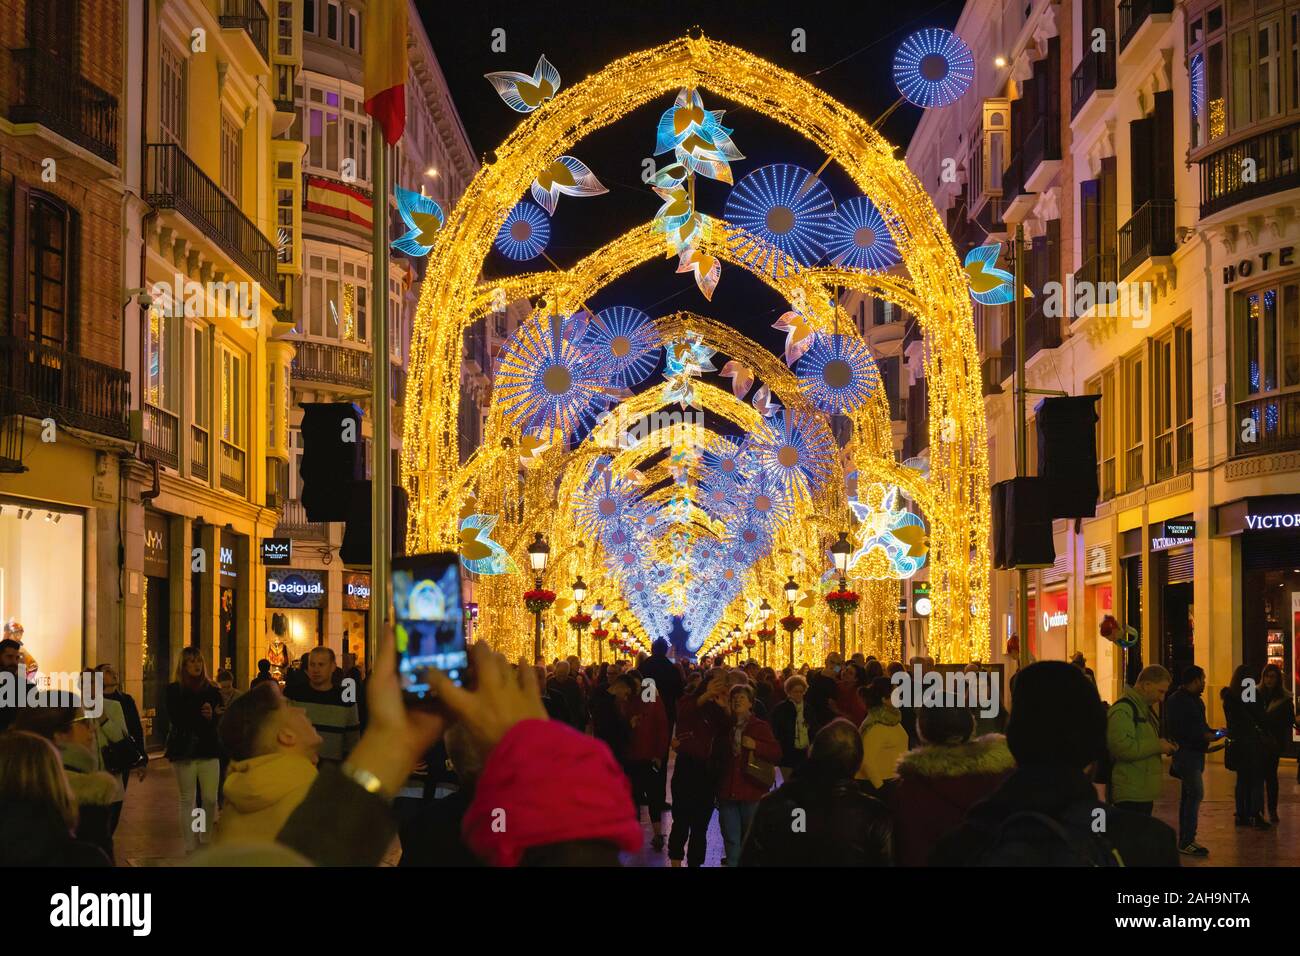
x,y
1145,148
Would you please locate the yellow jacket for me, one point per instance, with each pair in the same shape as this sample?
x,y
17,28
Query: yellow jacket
x,y
261,793
884,741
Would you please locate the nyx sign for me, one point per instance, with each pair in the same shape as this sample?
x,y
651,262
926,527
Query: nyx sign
x,y
277,550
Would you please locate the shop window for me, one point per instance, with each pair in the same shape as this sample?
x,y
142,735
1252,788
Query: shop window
x,y
41,561
1266,339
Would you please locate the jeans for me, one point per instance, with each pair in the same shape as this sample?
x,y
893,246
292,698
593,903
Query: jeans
x,y
191,775
1249,793
1190,766
734,818
692,811
648,788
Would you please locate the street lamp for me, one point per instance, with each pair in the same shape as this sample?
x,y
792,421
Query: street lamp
x,y
791,622
735,638
579,592
538,552
840,552
765,633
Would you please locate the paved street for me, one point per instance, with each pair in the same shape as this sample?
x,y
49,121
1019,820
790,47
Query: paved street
x,y
147,835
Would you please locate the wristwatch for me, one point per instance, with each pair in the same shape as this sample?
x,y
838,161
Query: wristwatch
x,y
363,778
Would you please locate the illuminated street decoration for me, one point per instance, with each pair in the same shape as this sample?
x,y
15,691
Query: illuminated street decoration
x,y
524,93
525,232
543,380
798,335
478,552
933,288
782,218
933,68
838,373
566,175
859,238
624,344
697,137
989,285
423,218
796,450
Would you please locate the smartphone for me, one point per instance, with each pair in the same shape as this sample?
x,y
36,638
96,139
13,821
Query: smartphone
x,y
1221,732
429,598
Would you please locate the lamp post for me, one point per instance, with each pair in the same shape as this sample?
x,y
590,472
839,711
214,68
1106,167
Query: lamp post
x,y
579,592
840,551
538,552
735,638
764,615
791,594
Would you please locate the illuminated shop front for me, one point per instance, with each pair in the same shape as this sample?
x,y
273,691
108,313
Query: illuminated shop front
x,y
42,558
1173,546
156,650
294,616
356,615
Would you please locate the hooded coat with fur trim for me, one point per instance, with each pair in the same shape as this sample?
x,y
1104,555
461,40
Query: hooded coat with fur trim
x,y
936,785
96,793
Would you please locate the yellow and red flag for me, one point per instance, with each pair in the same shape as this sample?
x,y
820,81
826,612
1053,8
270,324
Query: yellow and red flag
x,y
385,66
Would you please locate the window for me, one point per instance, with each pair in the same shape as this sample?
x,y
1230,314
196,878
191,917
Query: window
x,y
200,376
1241,79
234,378
309,16
1104,385
1183,398
354,30
232,158
332,20
335,128
1268,72
1171,402
1266,338
158,356
171,97
336,296
45,261
1134,475
284,30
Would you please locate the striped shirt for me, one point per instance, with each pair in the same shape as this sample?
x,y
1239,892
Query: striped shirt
x,y
338,723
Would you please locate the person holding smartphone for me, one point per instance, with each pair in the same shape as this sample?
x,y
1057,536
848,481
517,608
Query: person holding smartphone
x,y
1185,722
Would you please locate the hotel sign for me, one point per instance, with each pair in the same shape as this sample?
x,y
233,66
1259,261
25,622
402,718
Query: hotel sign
x,y
1282,258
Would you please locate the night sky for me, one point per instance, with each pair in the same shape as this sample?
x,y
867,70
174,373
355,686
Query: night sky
x,y
849,54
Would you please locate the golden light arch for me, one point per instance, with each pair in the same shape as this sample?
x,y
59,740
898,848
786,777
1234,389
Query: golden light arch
x,y
938,296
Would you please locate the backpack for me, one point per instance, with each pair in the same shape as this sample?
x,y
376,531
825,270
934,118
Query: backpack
x,y
1031,838
1106,763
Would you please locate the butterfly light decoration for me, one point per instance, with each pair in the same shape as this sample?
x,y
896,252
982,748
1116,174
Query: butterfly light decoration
x,y
424,219
742,379
697,137
478,552
990,285
524,93
566,175
798,335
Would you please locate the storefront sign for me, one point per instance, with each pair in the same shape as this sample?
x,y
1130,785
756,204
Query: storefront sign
x,y
1176,534
1272,522
1245,268
294,589
356,592
1053,619
227,549
157,544
277,551
1268,514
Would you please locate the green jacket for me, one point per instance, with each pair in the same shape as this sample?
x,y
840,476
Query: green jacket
x,y
1133,738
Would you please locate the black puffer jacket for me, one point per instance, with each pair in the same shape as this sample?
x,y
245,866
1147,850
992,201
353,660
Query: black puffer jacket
x,y
842,826
33,834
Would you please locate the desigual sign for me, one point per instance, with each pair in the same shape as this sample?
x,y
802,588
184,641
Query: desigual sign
x,y
356,592
294,589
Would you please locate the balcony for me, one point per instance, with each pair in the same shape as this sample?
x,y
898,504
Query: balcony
x,y
50,93
1277,424
1276,155
1099,272
199,445
234,473
41,381
284,77
173,181
1134,15
1042,153
161,437
329,364
1148,235
248,15
1094,74
1041,332
293,523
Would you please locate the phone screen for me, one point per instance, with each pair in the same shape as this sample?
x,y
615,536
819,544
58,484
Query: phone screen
x,y
429,600
1221,733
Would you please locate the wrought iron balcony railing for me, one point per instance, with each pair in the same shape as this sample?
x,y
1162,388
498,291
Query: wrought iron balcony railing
x,y
174,181
162,435
1148,234
1134,13
1272,158
1277,424
50,92
1096,71
1099,272
234,472
46,382
248,15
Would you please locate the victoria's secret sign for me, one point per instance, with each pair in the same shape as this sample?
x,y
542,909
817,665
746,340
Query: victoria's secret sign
x,y
1262,262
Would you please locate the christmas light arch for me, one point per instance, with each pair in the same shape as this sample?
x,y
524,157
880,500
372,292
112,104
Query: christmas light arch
x,y
936,293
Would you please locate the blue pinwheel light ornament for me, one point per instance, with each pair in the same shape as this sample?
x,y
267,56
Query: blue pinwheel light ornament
x,y
782,216
545,382
624,343
838,373
525,232
933,68
859,238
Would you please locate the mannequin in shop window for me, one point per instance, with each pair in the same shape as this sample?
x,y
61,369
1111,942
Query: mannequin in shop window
x,y
278,654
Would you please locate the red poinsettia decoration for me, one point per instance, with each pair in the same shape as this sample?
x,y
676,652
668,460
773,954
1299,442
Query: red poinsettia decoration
x,y
767,634
791,623
538,599
750,642
580,621
842,602
600,634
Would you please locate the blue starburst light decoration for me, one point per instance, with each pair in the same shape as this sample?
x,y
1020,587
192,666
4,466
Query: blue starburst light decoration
x,y
544,381
623,343
859,237
782,217
797,451
933,68
525,232
838,374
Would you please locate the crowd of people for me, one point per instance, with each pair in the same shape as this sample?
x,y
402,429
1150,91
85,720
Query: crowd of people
x,y
560,764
